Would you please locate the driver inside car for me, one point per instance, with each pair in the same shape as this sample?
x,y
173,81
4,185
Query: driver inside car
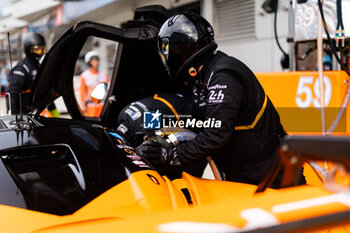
x,y
173,107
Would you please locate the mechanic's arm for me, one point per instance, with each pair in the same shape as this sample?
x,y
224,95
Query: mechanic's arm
x,y
125,127
223,102
17,83
19,79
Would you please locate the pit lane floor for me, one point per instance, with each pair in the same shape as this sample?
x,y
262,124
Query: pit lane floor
x,y
2,105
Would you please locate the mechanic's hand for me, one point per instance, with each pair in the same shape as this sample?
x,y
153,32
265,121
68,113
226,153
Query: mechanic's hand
x,y
169,156
150,150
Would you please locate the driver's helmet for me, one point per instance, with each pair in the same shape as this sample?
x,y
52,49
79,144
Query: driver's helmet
x,y
90,55
34,45
184,40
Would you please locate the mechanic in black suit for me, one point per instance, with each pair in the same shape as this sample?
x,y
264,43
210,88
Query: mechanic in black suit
x,y
244,145
22,76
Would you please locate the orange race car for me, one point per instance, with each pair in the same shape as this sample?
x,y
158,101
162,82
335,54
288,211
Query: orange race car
x,y
78,175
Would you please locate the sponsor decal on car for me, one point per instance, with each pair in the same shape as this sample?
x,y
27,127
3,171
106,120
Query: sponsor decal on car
x,y
134,157
123,146
129,151
153,179
140,163
119,138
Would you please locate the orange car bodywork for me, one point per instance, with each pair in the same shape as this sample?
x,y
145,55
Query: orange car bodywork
x,y
297,99
147,202
141,204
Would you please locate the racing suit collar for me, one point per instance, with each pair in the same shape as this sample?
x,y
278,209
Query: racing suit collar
x,y
32,62
207,64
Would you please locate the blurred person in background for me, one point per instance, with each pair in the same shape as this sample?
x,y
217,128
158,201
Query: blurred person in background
x,y
4,80
23,74
88,81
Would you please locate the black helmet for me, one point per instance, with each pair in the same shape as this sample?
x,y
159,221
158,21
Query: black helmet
x,y
184,40
34,44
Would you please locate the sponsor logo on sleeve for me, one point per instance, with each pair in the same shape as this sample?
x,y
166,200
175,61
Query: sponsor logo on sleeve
x,y
135,115
216,96
122,128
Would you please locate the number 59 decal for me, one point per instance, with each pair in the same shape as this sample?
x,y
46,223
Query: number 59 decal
x,y
308,92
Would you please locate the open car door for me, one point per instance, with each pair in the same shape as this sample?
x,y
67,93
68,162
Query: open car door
x,y
131,63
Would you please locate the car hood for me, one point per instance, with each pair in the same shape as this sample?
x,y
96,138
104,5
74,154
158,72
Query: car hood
x,y
138,71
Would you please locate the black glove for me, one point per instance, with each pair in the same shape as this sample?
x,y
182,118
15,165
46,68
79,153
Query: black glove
x,y
150,150
169,156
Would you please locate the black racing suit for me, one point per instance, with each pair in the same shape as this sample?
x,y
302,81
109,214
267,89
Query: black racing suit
x,y
130,125
20,82
130,119
21,79
244,145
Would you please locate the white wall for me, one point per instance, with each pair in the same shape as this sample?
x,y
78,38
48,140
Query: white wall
x,y
262,53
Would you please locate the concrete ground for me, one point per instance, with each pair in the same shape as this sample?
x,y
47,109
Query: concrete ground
x,y
2,105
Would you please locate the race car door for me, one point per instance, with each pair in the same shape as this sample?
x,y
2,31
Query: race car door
x,y
129,66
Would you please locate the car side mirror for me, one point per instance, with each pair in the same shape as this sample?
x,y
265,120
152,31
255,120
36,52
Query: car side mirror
x,y
99,92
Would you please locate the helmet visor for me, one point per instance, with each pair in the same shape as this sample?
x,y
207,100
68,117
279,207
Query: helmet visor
x,y
163,50
38,50
171,59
